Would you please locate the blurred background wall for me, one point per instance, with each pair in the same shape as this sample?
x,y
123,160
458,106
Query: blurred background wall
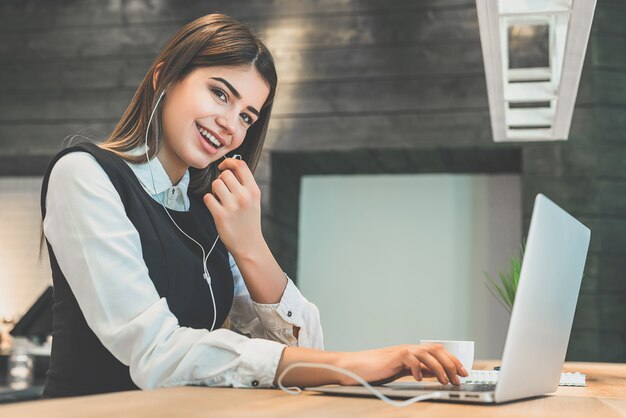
x,y
395,258
367,87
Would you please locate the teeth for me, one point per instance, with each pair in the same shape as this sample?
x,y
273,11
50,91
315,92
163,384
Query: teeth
x,y
208,136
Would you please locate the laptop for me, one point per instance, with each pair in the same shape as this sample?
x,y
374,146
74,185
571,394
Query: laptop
x,y
541,320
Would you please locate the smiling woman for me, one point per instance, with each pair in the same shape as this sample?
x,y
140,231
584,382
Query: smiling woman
x,y
162,276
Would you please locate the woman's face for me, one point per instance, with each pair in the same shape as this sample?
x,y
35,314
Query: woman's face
x,y
211,104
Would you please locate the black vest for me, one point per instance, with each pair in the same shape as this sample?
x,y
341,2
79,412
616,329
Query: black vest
x,y
79,363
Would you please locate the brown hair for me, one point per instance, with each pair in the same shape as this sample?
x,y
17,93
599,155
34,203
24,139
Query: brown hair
x,y
212,40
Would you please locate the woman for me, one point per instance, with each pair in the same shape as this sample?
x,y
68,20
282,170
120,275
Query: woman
x,y
159,264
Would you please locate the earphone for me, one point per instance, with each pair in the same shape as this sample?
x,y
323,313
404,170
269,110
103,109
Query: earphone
x,y
205,256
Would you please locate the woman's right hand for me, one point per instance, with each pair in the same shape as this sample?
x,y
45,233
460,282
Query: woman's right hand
x,y
377,367
387,364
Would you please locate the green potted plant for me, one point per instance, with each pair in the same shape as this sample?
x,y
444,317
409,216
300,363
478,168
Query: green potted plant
x,y
505,287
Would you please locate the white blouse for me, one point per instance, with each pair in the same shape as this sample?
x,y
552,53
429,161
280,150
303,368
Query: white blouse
x,y
99,251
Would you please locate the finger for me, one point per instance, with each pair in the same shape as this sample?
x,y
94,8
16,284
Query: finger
x,y
233,184
240,169
213,205
460,370
415,366
445,359
426,371
459,366
433,365
221,192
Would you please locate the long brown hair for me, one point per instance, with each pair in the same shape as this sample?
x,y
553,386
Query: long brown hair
x,y
211,40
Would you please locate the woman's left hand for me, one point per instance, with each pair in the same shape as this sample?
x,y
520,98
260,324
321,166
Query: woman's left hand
x,y
235,203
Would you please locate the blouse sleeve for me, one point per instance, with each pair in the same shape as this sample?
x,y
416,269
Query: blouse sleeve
x,y
99,251
276,321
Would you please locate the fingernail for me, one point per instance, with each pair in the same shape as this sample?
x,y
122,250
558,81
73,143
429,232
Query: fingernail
x,y
465,373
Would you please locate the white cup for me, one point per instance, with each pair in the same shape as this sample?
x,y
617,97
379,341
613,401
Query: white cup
x,y
463,350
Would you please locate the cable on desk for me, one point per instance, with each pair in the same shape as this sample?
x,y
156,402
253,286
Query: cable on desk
x,y
294,390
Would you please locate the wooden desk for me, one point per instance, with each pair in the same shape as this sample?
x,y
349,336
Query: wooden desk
x,y
604,397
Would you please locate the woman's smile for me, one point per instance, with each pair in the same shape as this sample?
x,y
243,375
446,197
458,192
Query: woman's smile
x,y
208,140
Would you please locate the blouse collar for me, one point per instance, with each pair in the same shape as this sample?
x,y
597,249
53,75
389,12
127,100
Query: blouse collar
x,y
162,181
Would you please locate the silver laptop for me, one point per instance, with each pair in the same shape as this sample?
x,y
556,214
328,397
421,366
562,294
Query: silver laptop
x,y
541,321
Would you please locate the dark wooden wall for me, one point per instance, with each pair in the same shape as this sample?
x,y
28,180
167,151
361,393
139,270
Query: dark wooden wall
x,y
587,175
367,86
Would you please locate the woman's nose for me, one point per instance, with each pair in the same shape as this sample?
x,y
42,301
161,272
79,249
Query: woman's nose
x,y
227,122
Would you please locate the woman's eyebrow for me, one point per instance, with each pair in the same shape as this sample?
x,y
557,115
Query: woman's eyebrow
x,y
235,93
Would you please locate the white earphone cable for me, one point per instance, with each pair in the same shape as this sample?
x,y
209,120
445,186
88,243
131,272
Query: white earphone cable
x,y
296,390
206,275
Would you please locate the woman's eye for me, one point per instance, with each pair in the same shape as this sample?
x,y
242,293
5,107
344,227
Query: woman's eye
x,y
246,118
219,93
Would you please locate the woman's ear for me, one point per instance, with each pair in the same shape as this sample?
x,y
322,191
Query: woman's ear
x,y
155,75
